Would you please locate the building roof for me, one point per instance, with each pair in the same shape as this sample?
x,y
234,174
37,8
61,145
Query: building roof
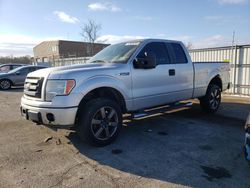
x,y
58,41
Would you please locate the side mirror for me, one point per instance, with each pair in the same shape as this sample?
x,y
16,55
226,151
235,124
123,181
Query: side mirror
x,y
148,62
18,73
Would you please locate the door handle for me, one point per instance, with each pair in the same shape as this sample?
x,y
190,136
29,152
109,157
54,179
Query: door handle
x,y
171,72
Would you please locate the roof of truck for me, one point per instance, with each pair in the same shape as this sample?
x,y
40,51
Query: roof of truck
x,y
152,39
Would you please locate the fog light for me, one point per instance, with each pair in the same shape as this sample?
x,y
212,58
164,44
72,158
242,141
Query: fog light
x,y
50,117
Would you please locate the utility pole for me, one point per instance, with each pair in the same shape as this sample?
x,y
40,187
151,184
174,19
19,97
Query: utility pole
x,y
235,60
233,39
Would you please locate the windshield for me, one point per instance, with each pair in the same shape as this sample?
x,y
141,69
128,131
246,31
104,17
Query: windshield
x,y
117,53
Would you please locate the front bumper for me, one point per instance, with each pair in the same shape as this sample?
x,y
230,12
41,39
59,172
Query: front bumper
x,y
61,116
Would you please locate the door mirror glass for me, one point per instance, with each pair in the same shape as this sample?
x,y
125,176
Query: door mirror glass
x,y
146,62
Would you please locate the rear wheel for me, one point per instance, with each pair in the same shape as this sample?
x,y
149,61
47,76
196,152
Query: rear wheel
x,y
5,84
100,122
211,101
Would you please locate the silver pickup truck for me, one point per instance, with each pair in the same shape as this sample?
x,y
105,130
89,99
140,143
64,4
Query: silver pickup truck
x,y
128,77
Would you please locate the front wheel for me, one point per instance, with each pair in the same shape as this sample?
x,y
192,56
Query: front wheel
x,y
100,122
211,101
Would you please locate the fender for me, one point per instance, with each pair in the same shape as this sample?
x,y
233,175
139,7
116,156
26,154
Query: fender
x,y
106,81
212,74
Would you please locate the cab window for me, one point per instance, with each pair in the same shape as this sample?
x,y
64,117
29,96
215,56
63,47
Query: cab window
x,y
177,53
157,48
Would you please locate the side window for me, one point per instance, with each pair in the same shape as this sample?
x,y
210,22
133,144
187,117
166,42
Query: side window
x,y
24,71
159,49
15,66
177,53
32,69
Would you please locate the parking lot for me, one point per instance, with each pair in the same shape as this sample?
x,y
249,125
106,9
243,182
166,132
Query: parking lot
x,y
184,147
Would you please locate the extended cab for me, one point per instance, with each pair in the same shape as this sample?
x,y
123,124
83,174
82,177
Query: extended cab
x,y
123,78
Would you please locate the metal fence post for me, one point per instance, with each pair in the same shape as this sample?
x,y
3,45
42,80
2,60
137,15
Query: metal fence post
x,y
235,63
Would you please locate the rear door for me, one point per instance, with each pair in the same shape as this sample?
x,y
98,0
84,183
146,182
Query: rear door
x,y
184,72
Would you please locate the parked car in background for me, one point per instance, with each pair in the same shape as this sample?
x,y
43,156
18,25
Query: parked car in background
x,y
9,67
16,77
247,139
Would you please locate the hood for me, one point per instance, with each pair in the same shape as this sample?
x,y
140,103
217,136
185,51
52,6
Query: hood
x,y
3,74
69,71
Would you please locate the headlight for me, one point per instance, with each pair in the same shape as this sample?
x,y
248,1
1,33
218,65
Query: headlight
x,y
58,88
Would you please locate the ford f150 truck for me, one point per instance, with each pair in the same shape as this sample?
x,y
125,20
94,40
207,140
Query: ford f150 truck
x,y
128,77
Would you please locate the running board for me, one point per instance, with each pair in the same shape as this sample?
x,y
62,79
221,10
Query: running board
x,y
161,109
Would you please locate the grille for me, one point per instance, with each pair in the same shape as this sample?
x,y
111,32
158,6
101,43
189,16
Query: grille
x,y
33,87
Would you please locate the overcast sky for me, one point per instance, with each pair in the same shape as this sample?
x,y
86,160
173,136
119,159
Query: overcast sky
x,y
204,23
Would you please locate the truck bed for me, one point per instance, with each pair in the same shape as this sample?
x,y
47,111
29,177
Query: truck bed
x,y
204,71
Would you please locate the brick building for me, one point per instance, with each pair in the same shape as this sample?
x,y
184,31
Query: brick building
x,y
49,51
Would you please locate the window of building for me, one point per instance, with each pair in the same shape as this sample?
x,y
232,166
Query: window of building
x,y
54,48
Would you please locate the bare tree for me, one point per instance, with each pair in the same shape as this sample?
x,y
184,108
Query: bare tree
x,y
10,59
90,33
189,46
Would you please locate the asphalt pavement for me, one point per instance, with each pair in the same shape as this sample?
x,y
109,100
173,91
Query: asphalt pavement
x,y
184,147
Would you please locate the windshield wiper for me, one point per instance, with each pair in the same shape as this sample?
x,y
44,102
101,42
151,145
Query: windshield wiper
x,y
99,61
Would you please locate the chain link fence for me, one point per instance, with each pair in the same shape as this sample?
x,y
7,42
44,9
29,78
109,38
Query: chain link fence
x,y
69,61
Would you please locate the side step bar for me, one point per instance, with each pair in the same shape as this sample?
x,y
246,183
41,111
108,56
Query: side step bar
x,y
161,109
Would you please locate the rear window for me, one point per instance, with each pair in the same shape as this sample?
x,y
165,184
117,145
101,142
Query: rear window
x,y
5,68
177,53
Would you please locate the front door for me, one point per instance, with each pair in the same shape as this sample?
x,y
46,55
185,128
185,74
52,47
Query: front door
x,y
21,76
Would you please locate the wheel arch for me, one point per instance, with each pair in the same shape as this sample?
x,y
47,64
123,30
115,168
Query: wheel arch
x,y
216,80
103,92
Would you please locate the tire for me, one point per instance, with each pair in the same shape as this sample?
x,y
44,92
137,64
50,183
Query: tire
x,y
211,101
5,84
100,122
